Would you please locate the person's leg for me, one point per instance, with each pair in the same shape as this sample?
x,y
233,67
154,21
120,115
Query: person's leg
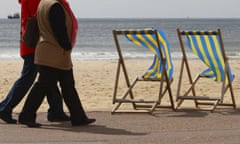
x,y
55,111
46,80
34,99
71,98
19,89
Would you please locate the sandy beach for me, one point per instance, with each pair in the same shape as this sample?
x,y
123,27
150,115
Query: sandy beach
x,y
95,81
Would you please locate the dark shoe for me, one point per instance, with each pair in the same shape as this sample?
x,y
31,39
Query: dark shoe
x,y
30,124
59,118
84,122
7,118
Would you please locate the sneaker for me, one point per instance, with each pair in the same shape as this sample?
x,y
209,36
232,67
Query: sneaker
x,y
7,118
59,118
85,122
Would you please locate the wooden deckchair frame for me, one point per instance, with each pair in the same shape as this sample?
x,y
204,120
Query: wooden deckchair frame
x,y
147,105
203,100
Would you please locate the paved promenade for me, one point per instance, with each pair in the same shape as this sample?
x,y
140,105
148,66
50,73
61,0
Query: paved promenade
x,y
164,127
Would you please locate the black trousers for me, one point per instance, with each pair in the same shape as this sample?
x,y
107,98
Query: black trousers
x,y
48,78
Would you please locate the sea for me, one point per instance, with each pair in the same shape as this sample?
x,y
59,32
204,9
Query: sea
x,y
95,39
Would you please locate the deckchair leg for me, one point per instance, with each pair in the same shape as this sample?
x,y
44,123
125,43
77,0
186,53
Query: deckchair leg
x,y
215,105
154,107
170,94
125,95
168,87
232,96
171,98
115,108
162,93
116,83
179,103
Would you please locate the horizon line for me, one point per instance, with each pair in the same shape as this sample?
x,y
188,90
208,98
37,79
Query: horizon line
x,y
150,17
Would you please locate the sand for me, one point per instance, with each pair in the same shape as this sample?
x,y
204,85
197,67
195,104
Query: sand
x,y
95,81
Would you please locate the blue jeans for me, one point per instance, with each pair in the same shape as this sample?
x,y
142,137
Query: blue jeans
x,y
23,84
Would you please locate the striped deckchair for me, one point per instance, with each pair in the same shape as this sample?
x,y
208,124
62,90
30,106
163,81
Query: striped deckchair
x,y
208,47
160,70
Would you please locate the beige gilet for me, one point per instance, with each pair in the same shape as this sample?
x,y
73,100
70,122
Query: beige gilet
x,y
48,51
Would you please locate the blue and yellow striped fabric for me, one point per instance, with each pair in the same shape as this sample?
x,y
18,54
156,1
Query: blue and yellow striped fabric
x,y
147,39
206,45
